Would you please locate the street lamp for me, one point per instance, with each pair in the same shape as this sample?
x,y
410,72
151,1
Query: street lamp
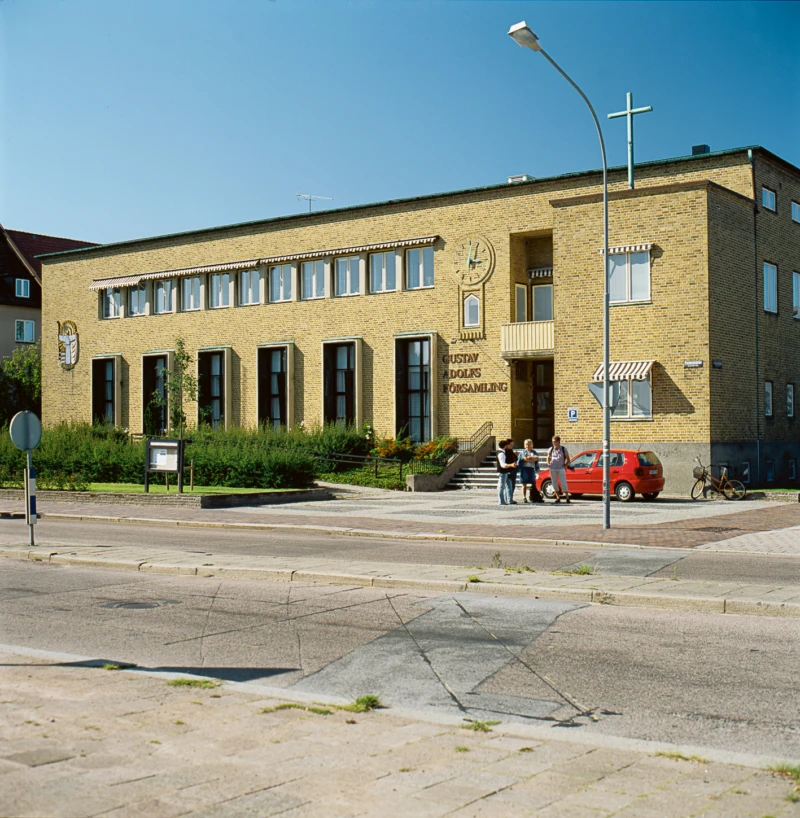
x,y
523,36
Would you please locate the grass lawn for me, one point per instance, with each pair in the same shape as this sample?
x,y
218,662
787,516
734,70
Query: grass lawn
x,y
159,488
365,476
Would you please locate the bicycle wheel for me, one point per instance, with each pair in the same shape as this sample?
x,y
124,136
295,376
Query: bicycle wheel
x,y
697,489
712,493
734,490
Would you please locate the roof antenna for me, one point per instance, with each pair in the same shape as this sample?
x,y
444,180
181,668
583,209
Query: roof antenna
x,y
310,199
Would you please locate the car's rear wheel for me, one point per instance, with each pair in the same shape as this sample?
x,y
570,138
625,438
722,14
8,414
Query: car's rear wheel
x,y
651,495
624,492
548,491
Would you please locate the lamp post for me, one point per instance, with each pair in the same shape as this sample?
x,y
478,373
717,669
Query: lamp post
x,y
523,36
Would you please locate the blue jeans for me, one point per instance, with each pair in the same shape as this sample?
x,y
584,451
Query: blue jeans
x,y
504,488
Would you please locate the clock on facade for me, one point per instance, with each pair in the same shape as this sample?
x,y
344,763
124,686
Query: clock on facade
x,y
473,260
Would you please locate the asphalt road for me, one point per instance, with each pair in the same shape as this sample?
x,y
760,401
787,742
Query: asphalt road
x,y
726,682
664,562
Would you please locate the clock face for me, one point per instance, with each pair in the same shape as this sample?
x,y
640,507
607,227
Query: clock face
x,y
473,260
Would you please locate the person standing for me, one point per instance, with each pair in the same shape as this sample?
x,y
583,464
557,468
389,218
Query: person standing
x,y
504,468
527,463
511,457
558,461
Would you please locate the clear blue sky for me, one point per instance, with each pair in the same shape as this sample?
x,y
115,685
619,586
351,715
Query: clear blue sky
x,y
131,118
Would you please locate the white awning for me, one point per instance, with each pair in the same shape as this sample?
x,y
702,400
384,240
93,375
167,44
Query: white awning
x,y
119,281
623,370
628,248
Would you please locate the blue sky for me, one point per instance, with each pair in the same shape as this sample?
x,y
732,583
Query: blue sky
x,y
124,119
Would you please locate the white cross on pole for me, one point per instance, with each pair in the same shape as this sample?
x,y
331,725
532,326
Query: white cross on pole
x,y
629,114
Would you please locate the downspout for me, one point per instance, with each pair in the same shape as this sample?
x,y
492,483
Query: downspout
x,y
755,254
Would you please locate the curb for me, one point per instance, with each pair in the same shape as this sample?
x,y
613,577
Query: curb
x,y
709,603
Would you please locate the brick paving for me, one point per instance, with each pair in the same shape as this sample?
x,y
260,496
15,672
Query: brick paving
x,y
84,741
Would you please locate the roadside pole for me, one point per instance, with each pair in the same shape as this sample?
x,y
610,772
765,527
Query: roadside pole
x,y
26,433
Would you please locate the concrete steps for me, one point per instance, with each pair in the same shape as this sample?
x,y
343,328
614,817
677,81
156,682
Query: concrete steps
x,y
485,475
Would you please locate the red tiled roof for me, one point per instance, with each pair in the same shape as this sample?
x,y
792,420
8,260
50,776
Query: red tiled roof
x,y
35,244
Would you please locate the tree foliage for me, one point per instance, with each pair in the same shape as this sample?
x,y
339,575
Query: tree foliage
x,y
21,382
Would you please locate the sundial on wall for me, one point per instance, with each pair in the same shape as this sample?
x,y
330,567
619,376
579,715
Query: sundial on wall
x,y
473,260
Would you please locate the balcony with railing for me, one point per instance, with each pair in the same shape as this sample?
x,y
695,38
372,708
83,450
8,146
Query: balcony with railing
x,y
526,339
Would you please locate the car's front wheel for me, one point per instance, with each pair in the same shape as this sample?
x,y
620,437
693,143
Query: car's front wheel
x,y
548,491
624,492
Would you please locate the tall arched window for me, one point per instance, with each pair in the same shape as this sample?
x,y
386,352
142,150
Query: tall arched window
x,y
472,311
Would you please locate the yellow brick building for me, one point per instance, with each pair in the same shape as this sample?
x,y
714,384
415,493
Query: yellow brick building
x,y
439,313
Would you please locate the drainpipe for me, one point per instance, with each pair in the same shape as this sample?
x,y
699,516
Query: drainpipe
x,y
755,253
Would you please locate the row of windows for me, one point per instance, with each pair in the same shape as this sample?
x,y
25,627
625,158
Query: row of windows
x,y
771,290
769,201
768,402
279,284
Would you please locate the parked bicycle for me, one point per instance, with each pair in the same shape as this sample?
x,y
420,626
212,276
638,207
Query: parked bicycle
x,y
712,488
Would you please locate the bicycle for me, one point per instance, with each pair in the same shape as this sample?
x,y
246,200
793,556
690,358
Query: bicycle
x,y
711,488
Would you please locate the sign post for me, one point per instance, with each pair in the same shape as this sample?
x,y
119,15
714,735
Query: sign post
x,y
26,434
164,456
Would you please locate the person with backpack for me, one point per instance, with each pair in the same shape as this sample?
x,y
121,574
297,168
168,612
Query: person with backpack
x,y
505,465
558,461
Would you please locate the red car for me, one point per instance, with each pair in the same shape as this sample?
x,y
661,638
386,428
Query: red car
x,y
632,472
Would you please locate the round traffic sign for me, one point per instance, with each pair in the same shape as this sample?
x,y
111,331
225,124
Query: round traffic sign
x,y
25,430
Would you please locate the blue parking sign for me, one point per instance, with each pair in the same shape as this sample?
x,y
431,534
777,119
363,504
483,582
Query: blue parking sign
x,y
572,415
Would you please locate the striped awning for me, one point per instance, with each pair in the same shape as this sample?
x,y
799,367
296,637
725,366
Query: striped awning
x,y
624,370
628,248
130,280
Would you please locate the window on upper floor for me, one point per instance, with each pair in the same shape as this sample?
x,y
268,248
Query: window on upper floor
x,y
347,278
23,288
312,279
543,302
419,268
768,199
629,277
770,287
382,272
520,303
796,295
280,283
796,212
137,299
768,399
111,301
789,400
632,399
190,294
219,290
162,296
472,311
249,287
24,332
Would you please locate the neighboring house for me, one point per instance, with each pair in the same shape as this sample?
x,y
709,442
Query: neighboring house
x,y
21,284
430,316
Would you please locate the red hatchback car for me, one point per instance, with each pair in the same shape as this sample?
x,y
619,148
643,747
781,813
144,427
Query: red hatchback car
x,y
632,472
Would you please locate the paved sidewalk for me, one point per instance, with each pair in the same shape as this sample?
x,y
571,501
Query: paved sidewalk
x,y
631,591
79,740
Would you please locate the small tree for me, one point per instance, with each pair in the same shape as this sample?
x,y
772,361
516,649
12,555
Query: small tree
x,y
21,382
179,385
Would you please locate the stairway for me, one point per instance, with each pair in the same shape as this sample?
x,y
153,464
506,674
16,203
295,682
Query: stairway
x,y
485,475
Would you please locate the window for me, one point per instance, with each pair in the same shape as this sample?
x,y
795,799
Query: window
x,y
789,400
347,278
413,395
111,302
339,392
770,464
520,303
768,399
770,287
23,288
629,277
744,471
791,470
382,272
472,311
190,294
24,332
521,372
280,283
632,399
419,268
211,388
154,394
768,198
104,397
796,296
796,212
137,299
312,279
162,296
543,302
249,287
583,461
272,408
219,290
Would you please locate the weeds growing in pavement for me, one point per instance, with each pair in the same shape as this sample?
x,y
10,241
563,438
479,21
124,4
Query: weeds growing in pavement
x,y
320,711
584,569
363,704
675,755
205,684
480,726
787,771
474,578
462,749
497,560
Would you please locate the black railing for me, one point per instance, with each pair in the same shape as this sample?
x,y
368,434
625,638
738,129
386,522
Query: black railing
x,y
474,442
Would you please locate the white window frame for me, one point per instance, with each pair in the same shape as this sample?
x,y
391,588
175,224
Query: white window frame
x,y
796,212
770,287
469,300
769,199
791,469
537,288
111,302
744,472
219,291
768,407
167,286
283,272
520,303
28,331
629,413
628,279
789,400
383,258
317,279
350,267
137,294
422,270
23,288
191,304
796,296
248,287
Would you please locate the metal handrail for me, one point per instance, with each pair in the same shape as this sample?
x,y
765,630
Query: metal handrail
x,y
475,441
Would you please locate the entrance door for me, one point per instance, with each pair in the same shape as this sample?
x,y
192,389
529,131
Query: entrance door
x,y
542,404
